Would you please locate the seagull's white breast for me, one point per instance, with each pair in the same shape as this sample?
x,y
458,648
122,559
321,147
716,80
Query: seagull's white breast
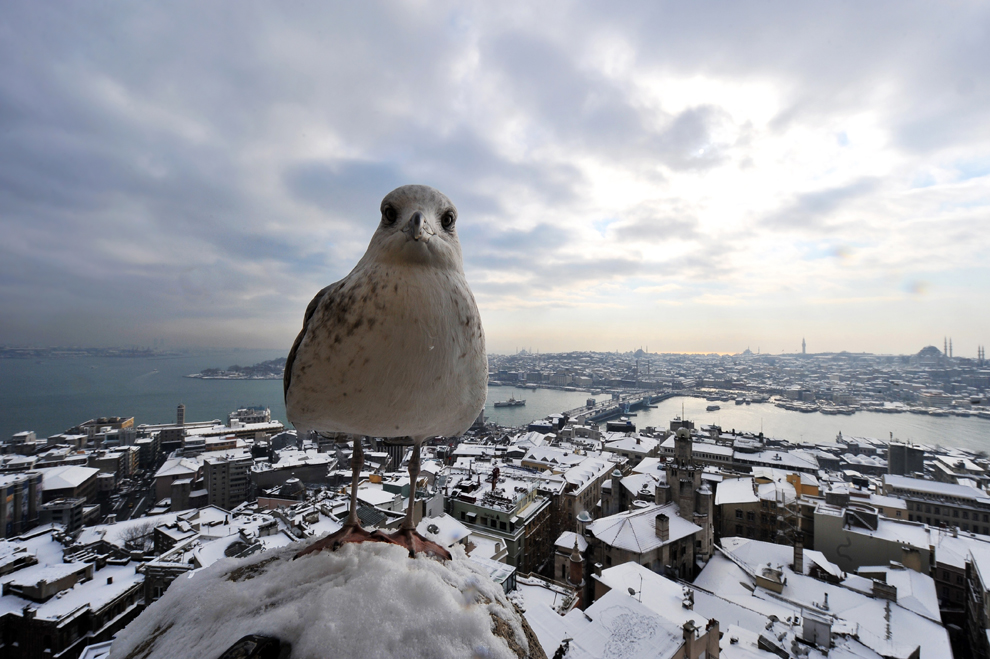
x,y
391,350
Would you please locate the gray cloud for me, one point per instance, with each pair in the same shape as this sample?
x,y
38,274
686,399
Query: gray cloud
x,y
652,225
815,211
186,161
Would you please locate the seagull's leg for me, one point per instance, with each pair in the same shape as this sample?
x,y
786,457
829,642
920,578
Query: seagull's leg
x,y
407,536
357,463
414,466
351,531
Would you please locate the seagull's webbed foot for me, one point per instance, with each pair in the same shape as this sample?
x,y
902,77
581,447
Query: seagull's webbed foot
x,y
348,533
417,544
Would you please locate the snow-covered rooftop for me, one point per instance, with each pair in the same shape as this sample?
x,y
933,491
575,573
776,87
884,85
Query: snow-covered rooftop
x,y
59,478
935,488
730,574
621,627
635,530
735,491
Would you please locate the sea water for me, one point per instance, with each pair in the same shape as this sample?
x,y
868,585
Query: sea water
x,y
49,396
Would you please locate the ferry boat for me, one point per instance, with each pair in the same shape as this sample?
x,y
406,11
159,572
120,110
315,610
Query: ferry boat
x,y
712,408
512,402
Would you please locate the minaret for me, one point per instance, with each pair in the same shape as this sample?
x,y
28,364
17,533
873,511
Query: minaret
x,y
950,348
804,347
945,346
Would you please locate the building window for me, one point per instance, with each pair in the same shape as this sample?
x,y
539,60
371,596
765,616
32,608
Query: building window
x,y
739,529
739,514
751,516
955,513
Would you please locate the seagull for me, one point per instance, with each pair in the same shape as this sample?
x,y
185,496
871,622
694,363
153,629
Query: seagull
x,y
394,349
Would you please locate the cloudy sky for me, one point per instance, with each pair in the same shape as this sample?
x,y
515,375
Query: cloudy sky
x,y
677,176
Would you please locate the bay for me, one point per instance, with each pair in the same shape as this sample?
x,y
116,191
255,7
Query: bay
x,y
51,395
815,428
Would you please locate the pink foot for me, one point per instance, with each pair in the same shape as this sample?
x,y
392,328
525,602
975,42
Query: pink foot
x,y
417,544
349,533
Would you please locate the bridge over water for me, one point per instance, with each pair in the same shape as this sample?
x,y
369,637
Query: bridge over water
x,y
625,404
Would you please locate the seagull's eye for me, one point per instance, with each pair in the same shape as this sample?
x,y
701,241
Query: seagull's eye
x,y
389,215
447,221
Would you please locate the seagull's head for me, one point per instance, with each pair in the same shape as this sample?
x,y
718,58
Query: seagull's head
x,y
417,227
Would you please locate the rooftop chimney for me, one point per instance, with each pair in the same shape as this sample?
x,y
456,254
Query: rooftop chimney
x,y
663,527
798,565
884,591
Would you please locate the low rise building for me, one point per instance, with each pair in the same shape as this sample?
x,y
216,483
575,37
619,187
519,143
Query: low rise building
x,y
655,536
857,535
512,508
941,504
70,482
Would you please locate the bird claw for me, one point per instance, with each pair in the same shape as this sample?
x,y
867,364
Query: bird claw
x,y
417,544
349,533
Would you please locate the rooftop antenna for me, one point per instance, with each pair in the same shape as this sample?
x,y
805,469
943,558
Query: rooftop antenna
x,y
637,594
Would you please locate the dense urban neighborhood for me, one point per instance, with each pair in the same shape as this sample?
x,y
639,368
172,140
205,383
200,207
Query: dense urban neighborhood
x,y
713,541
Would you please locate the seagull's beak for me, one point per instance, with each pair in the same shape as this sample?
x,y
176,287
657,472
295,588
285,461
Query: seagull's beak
x,y
418,228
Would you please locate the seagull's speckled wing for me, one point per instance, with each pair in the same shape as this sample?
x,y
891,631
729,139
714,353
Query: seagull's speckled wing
x,y
310,310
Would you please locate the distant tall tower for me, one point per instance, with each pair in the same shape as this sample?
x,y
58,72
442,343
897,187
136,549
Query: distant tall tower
x,y
804,347
950,348
945,346
180,415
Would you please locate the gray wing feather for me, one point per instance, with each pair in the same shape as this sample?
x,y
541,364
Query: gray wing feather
x,y
310,310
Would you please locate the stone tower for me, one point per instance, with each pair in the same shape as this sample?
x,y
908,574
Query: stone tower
x,y
693,497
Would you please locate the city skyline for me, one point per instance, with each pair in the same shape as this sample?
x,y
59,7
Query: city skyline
x,y
692,179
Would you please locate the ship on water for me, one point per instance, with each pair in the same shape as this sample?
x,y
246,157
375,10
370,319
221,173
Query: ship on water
x,y
512,402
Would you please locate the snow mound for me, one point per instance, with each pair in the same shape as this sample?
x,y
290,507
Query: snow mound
x,y
364,600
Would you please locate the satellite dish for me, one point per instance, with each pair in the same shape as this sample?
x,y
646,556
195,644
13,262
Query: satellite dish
x,y
631,590
433,528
